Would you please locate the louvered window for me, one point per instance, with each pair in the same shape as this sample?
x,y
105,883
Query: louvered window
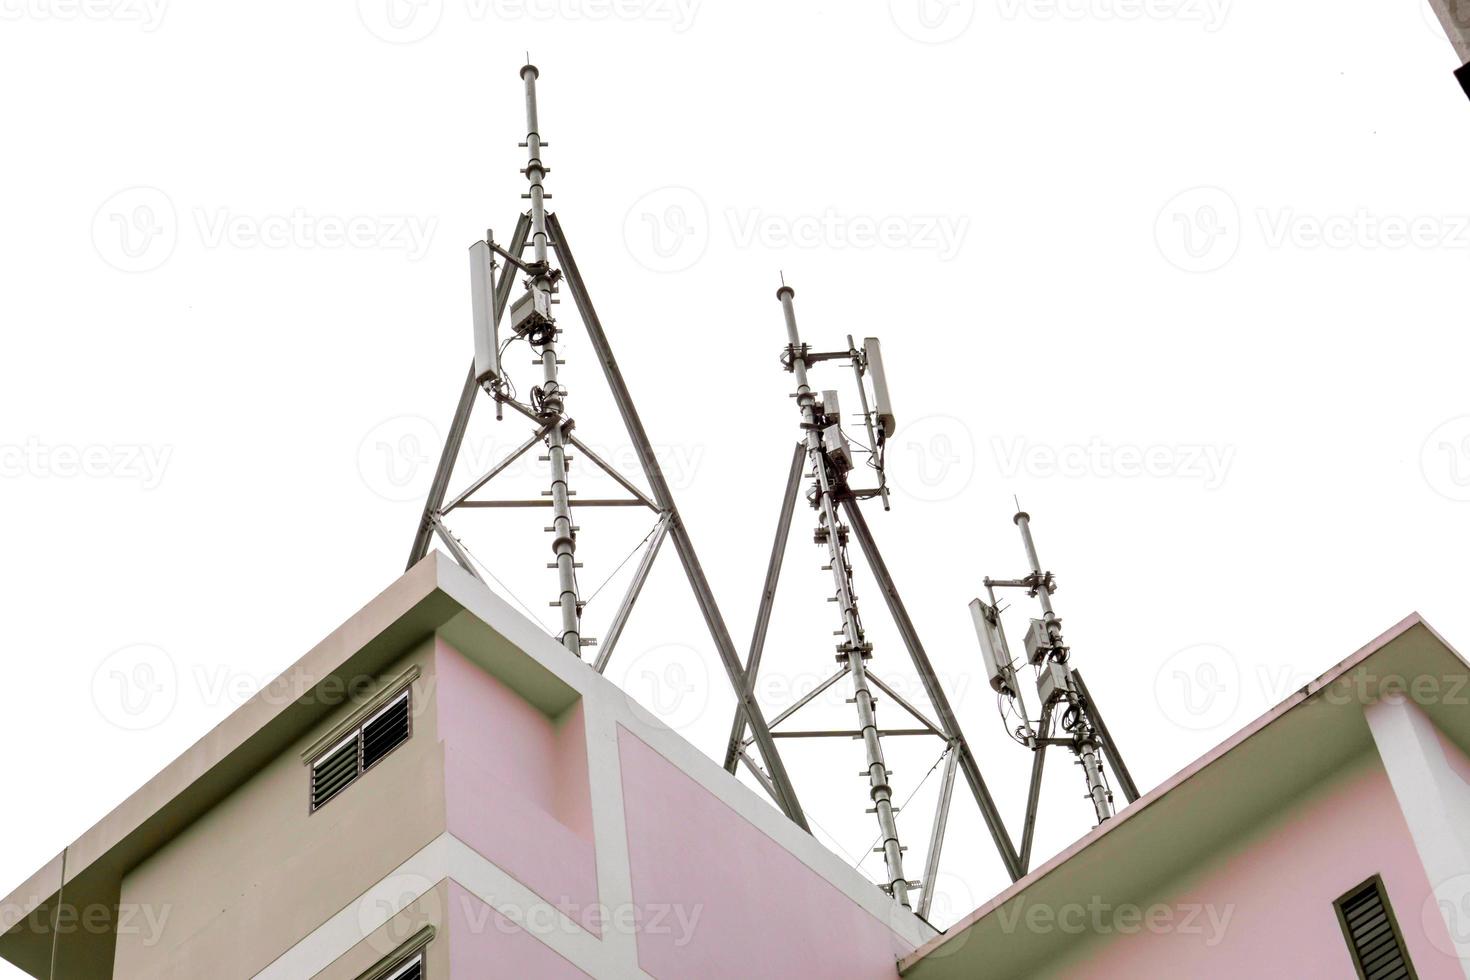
x,y
412,969
1373,933
359,751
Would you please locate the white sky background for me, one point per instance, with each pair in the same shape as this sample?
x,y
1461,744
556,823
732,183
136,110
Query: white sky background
x,y
1107,230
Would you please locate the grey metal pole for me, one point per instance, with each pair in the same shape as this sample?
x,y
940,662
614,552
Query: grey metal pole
x,y
936,832
553,396
768,597
854,648
1085,742
1110,748
933,689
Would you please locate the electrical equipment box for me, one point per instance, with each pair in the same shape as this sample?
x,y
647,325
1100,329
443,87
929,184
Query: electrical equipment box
x,y
836,445
1038,641
1054,682
831,407
482,312
993,650
882,407
530,311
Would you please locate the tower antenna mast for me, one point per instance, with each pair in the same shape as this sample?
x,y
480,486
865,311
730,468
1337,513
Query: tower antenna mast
x,y
830,460
1063,696
835,497
531,319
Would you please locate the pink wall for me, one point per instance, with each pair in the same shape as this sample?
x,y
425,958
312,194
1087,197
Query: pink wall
x,y
483,943
694,863
516,786
1265,910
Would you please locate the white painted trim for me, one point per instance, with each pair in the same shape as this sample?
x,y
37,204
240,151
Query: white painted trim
x,y
447,857
1436,805
607,706
609,825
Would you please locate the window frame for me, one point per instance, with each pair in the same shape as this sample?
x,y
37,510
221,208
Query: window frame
x,y
355,735
1375,882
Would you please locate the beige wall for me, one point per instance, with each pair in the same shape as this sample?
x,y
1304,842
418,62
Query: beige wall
x,y
259,871
429,909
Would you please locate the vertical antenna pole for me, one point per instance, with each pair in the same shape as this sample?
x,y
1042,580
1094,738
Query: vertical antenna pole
x,y
1085,742
553,396
854,648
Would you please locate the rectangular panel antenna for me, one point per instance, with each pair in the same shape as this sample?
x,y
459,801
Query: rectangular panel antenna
x,y
993,648
882,407
482,292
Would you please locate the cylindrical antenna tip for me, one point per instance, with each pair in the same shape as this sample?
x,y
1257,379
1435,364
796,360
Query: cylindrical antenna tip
x,y
1021,515
784,292
535,73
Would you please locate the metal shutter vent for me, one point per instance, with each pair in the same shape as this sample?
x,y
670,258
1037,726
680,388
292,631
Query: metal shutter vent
x,y
333,774
389,728
386,731
412,970
1368,923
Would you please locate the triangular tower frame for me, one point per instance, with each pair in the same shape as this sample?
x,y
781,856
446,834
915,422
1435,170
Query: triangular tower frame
x,y
542,231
